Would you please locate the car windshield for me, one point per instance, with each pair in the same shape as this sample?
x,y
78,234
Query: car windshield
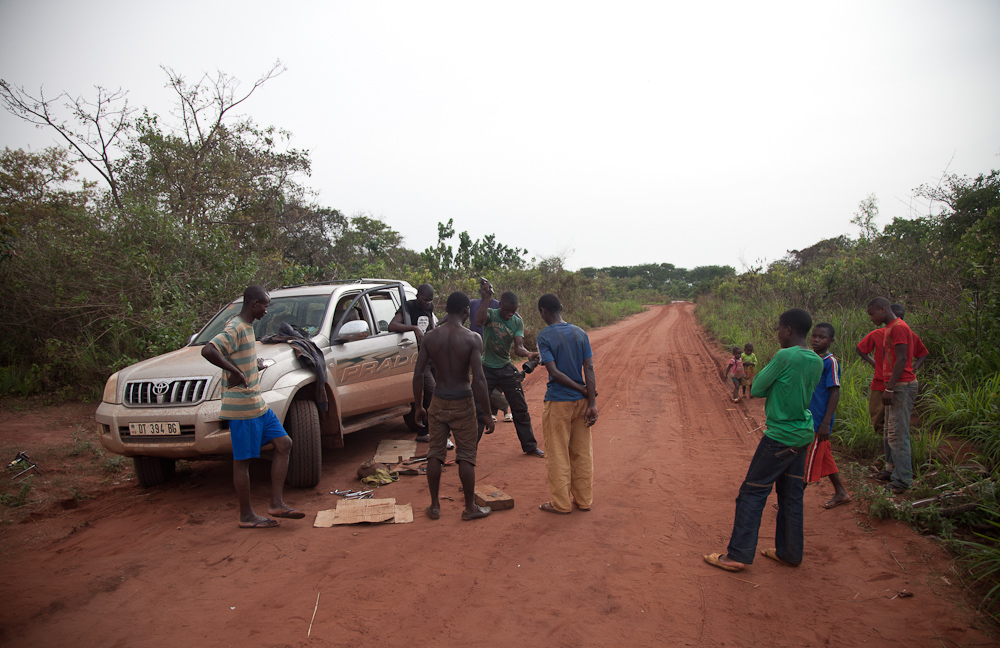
x,y
304,311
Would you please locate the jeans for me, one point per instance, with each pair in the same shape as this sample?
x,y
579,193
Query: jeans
x,y
781,466
503,379
897,433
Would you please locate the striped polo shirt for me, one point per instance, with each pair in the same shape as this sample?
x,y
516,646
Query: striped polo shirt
x,y
237,344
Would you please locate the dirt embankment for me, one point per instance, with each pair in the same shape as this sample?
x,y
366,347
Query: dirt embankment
x,y
129,567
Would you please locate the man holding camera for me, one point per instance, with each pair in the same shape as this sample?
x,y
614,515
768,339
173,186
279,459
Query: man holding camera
x,y
503,333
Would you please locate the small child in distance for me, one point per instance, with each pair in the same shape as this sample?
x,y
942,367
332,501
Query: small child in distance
x,y
749,367
736,372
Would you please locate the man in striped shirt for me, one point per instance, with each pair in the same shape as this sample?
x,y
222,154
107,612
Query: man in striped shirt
x,y
252,424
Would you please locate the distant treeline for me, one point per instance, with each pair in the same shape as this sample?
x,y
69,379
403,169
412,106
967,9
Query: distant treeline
x,y
666,278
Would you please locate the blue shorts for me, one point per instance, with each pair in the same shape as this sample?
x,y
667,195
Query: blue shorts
x,y
248,435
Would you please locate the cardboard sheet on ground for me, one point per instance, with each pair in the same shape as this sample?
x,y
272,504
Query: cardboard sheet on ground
x,y
390,450
376,511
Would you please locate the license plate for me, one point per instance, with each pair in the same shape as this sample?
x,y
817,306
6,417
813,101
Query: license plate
x,y
159,428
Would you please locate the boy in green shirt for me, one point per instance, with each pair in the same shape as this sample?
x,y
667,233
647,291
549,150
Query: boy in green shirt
x,y
787,382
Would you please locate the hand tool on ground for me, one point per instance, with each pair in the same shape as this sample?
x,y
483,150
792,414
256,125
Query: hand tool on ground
x,y
22,459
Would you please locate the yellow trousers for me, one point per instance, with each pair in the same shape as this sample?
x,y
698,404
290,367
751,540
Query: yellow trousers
x,y
569,453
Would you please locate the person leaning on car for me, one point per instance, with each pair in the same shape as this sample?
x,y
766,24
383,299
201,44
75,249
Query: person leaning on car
x,y
421,311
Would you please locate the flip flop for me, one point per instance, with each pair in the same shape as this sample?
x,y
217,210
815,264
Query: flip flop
x,y
835,503
265,523
773,555
480,512
713,560
290,514
433,513
548,508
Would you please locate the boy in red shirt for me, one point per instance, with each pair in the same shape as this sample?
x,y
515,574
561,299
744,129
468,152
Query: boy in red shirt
x,y
900,390
871,345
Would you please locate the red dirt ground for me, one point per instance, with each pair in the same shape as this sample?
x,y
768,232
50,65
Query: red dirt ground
x,y
169,565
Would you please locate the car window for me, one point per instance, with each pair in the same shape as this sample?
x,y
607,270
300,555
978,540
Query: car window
x,y
344,312
303,311
384,307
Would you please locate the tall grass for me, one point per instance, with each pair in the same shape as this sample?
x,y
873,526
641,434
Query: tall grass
x,y
967,408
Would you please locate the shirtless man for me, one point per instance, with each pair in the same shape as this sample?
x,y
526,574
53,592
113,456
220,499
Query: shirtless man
x,y
455,351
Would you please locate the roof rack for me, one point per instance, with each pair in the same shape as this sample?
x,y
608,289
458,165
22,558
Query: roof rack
x,y
344,282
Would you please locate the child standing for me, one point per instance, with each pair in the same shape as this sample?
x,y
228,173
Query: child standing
x,y
735,371
819,462
787,382
749,367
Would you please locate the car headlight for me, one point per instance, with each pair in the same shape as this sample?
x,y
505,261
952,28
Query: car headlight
x,y
111,390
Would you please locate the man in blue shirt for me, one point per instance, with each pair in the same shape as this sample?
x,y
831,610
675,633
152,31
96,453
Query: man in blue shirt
x,y
569,411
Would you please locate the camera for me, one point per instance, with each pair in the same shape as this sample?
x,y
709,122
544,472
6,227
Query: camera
x,y
529,366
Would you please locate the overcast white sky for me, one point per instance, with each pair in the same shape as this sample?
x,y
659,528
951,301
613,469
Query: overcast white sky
x,y
609,133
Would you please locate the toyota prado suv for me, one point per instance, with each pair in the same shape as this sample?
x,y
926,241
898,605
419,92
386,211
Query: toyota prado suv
x,y
167,408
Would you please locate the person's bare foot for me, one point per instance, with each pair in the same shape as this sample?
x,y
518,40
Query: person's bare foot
x,y
286,512
258,522
723,561
837,500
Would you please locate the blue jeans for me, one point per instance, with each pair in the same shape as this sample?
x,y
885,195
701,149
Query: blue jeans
x,y
781,466
896,441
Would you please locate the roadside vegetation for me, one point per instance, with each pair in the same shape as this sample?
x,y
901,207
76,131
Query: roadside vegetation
x,y
945,269
193,206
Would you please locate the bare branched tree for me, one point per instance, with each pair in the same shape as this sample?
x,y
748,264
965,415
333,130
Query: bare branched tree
x,y
101,124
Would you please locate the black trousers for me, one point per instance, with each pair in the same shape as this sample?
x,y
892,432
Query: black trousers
x,y
503,379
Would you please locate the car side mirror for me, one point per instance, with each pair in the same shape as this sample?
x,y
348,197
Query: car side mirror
x,y
353,331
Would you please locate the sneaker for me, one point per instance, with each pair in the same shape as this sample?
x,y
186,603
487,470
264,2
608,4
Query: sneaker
x,y
882,476
423,438
508,418
449,445
494,418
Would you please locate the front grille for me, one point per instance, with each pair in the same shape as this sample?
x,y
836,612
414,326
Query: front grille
x,y
175,391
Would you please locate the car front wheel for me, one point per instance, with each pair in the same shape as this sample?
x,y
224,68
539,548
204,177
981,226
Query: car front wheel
x,y
306,460
153,471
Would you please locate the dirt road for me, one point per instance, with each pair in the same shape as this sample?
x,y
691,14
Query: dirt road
x,y
168,565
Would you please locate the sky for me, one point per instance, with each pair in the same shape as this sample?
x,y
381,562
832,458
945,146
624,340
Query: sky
x,y
602,133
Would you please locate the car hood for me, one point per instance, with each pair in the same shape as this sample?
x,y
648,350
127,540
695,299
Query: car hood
x,y
187,362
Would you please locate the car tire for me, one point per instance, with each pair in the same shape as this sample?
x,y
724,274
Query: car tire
x,y
153,471
305,463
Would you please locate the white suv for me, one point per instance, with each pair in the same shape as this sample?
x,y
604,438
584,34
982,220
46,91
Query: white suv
x,y
167,407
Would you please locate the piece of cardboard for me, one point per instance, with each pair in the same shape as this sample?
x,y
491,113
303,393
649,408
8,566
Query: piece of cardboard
x,y
493,497
374,511
404,514
390,450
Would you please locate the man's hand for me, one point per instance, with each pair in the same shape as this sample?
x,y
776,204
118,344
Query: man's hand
x,y
420,335
486,292
534,355
420,415
887,398
823,433
591,415
237,379
489,424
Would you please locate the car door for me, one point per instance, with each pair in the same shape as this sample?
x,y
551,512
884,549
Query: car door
x,y
376,372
